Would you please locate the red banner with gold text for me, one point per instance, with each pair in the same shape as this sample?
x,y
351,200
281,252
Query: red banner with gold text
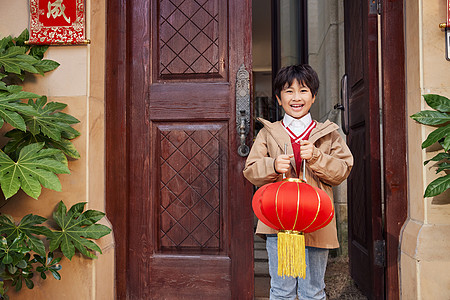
x,y
448,13
57,22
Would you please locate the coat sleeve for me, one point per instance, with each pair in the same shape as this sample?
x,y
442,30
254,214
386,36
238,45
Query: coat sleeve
x,y
332,168
259,167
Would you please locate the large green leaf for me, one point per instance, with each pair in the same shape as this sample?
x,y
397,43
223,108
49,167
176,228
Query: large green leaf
x,y
24,36
436,135
10,106
12,252
438,102
35,166
27,226
38,51
438,157
14,60
438,186
18,58
49,121
75,228
19,139
446,143
45,65
443,166
431,117
5,43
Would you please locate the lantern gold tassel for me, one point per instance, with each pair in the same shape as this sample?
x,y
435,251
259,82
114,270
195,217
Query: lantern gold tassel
x,y
291,254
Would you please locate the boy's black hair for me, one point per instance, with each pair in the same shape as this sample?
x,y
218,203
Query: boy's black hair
x,y
303,73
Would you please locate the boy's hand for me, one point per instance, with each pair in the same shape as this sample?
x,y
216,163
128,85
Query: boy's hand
x,y
282,163
306,149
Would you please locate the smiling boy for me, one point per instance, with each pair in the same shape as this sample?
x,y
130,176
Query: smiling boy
x,y
328,163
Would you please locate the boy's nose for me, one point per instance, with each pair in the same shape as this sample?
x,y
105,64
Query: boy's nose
x,y
297,96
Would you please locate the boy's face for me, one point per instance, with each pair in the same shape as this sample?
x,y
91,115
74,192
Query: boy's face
x,y
296,99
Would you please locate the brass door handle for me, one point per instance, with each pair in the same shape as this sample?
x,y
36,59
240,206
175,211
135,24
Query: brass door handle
x,y
243,149
344,104
243,109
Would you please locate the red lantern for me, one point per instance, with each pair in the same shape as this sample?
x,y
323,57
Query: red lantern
x,y
292,207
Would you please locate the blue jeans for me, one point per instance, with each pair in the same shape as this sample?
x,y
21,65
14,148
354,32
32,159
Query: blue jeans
x,y
312,287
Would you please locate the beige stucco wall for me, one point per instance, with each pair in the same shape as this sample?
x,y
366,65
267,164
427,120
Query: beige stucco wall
x,y
78,82
326,55
326,52
425,240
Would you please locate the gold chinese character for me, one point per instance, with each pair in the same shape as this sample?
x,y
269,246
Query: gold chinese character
x,y
56,9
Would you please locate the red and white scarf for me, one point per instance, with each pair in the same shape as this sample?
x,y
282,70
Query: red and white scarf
x,y
295,140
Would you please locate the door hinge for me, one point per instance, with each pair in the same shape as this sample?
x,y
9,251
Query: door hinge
x,y
375,7
379,248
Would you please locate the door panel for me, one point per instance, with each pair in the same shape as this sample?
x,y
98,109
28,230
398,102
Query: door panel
x,y
192,185
364,197
186,229
190,39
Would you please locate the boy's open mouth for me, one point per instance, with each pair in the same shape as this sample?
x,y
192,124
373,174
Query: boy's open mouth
x,y
297,105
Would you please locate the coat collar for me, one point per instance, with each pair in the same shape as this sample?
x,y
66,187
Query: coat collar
x,y
282,138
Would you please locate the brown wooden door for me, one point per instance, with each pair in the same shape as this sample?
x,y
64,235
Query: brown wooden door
x,y
364,188
394,141
180,207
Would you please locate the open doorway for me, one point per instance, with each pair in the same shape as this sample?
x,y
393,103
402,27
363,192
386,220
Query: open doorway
x,y
289,32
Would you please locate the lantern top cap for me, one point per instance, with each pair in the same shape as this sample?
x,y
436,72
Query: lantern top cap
x,y
294,180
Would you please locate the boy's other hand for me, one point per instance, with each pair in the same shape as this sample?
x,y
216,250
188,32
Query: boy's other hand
x,y
306,149
282,163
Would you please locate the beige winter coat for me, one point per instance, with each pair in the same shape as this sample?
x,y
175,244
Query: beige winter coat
x,y
330,165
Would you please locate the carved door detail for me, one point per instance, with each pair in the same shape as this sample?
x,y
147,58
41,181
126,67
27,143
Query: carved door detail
x,y
189,37
192,181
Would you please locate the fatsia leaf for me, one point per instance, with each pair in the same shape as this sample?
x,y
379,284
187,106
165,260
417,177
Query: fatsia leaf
x,y
55,274
10,107
15,89
436,135
19,139
28,227
438,102
48,121
38,51
438,186
74,228
24,36
431,117
35,166
45,65
92,216
15,60
5,43
26,63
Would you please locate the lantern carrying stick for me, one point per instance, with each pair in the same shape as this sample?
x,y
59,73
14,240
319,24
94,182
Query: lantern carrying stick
x,y
285,152
304,170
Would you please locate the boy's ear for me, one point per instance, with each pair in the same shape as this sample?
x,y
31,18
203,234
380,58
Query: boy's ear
x,y
278,99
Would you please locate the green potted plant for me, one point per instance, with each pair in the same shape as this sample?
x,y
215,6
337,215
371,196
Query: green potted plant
x,y
38,149
440,117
